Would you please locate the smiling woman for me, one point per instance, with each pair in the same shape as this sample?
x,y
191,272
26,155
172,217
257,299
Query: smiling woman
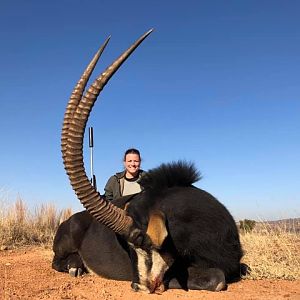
x,y
126,182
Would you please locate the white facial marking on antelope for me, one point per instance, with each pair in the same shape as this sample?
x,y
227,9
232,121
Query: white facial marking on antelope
x,y
152,265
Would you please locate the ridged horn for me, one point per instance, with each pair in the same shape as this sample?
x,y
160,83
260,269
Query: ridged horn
x,y
75,120
77,95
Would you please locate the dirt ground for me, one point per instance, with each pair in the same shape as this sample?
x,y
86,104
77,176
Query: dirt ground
x,y
27,274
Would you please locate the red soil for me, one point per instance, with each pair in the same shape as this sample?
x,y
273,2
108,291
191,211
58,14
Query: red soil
x,y
27,274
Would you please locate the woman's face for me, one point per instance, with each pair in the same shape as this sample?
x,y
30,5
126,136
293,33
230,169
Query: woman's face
x,y
132,165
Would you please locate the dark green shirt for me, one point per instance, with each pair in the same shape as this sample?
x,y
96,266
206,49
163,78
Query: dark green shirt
x,y
115,185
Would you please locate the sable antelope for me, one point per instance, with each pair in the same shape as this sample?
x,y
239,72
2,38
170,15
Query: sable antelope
x,y
171,235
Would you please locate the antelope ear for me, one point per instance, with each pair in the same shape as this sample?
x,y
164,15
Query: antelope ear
x,y
156,229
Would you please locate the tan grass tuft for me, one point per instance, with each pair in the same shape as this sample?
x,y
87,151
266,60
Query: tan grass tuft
x,y
19,226
272,252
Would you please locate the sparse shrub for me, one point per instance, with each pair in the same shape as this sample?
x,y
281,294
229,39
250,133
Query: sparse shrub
x,y
247,225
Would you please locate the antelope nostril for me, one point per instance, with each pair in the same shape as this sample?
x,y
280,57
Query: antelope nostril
x,y
153,285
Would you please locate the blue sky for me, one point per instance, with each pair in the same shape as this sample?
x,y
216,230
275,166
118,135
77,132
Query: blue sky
x,y
216,83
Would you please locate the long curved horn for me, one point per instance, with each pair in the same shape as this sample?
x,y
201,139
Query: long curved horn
x,y
77,95
75,120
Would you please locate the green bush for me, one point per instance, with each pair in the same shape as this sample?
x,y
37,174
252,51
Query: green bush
x,y
247,225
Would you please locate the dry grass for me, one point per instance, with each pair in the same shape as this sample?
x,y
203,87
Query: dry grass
x,y
272,252
19,226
